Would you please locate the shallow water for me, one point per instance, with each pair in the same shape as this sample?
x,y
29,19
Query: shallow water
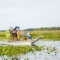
x,y
42,55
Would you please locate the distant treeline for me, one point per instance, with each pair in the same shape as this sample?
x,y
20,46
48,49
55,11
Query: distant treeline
x,y
2,30
42,28
38,29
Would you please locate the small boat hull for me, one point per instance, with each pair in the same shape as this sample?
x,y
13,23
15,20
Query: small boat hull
x,y
25,42
15,43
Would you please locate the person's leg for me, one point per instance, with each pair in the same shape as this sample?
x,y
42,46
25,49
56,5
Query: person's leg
x,y
25,38
13,36
10,36
30,37
18,37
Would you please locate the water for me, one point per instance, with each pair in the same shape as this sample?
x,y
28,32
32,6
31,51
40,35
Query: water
x,y
41,55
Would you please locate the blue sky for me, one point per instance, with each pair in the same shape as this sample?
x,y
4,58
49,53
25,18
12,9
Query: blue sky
x,y
29,13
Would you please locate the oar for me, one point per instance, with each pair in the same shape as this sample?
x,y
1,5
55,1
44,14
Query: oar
x,y
32,43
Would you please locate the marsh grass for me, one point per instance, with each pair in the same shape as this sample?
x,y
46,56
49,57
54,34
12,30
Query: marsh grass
x,y
17,50
52,34
47,34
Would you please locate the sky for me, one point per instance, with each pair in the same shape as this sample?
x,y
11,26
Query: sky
x,y
29,13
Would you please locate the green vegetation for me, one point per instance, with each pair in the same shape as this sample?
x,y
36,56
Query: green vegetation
x,y
50,34
47,34
2,35
17,50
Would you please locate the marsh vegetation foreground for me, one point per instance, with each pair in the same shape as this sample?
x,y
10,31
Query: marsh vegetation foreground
x,y
45,50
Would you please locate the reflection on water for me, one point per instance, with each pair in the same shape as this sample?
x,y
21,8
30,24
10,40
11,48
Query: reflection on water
x,y
47,54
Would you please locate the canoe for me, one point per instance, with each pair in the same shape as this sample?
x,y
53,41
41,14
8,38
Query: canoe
x,y
24,42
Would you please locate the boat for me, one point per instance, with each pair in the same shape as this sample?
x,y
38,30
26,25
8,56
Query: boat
x,y
18,43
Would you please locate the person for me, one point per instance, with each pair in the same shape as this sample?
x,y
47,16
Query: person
x,y
19,34
17,28
11,30
24,35
14,34
29,36
7,35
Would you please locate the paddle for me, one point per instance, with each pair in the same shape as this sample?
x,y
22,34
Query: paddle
x,y
36,40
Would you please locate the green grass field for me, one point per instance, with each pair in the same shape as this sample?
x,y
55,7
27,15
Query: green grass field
x,y
52,34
